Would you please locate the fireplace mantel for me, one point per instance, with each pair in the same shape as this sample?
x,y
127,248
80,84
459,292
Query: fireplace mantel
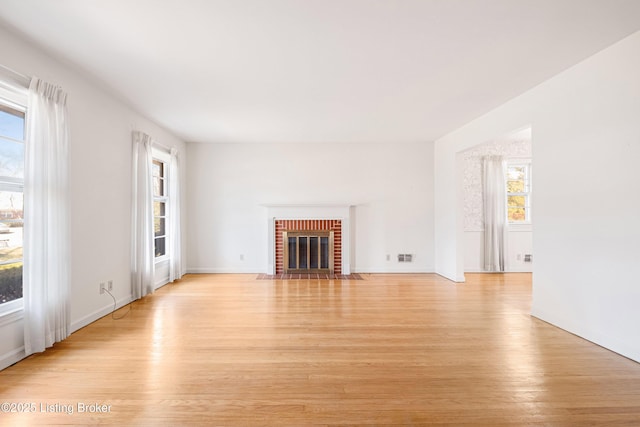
x,y
342,212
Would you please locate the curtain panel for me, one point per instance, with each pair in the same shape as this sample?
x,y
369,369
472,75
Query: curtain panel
x,y
46,217
495,212
175,251
142,252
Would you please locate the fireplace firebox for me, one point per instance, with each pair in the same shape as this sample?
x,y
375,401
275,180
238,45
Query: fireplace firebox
x,y
309,251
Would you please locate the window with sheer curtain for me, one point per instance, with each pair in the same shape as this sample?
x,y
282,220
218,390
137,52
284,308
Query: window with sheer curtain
x,y
166,209
155,214
34,260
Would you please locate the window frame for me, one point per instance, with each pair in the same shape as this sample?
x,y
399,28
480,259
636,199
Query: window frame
x,y
526,164
164,158
13,310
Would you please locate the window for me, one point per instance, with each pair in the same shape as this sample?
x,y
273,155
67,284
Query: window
x,y
12,121
160,200
519,193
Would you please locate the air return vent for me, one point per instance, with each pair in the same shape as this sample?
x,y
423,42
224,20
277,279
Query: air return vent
x,y
405,257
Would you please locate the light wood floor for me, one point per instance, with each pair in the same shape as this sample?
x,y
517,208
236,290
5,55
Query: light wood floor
x,y
387,350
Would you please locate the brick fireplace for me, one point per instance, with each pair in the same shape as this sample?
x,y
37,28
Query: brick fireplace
x,y
298,219
309,225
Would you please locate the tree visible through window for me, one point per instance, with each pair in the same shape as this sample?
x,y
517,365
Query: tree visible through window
x,y
160,207
519,193
12,119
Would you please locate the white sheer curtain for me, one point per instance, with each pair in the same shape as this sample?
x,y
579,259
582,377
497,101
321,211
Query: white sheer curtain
x,y
46,289
142,254
175,252
495,212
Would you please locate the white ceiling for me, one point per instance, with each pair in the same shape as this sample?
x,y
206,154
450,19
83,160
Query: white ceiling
x,y
320,70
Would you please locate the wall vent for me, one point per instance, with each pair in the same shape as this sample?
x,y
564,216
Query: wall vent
x,y
405,257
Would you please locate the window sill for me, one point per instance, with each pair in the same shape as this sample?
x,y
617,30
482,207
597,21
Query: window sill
x,y
527,226
11,312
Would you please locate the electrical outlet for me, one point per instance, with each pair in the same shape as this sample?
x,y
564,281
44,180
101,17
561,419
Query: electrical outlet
x,y
519,257
388,257
110,285
102,288
241,257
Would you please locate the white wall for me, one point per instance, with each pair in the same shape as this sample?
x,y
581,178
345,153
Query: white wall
x,y
390,186
100,189
519,243
586,147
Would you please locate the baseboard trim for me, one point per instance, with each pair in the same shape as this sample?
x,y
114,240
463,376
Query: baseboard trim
x,y
92,317
494,272
593,336
221,271
379,271
11,357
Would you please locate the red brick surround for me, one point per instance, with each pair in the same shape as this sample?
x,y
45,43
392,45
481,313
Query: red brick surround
x,y
334,225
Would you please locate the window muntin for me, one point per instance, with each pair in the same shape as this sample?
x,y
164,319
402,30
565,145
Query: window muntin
x,y
12,121
160,199
519,193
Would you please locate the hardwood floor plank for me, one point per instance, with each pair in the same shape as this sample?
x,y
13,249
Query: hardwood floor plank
x,y
390,349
